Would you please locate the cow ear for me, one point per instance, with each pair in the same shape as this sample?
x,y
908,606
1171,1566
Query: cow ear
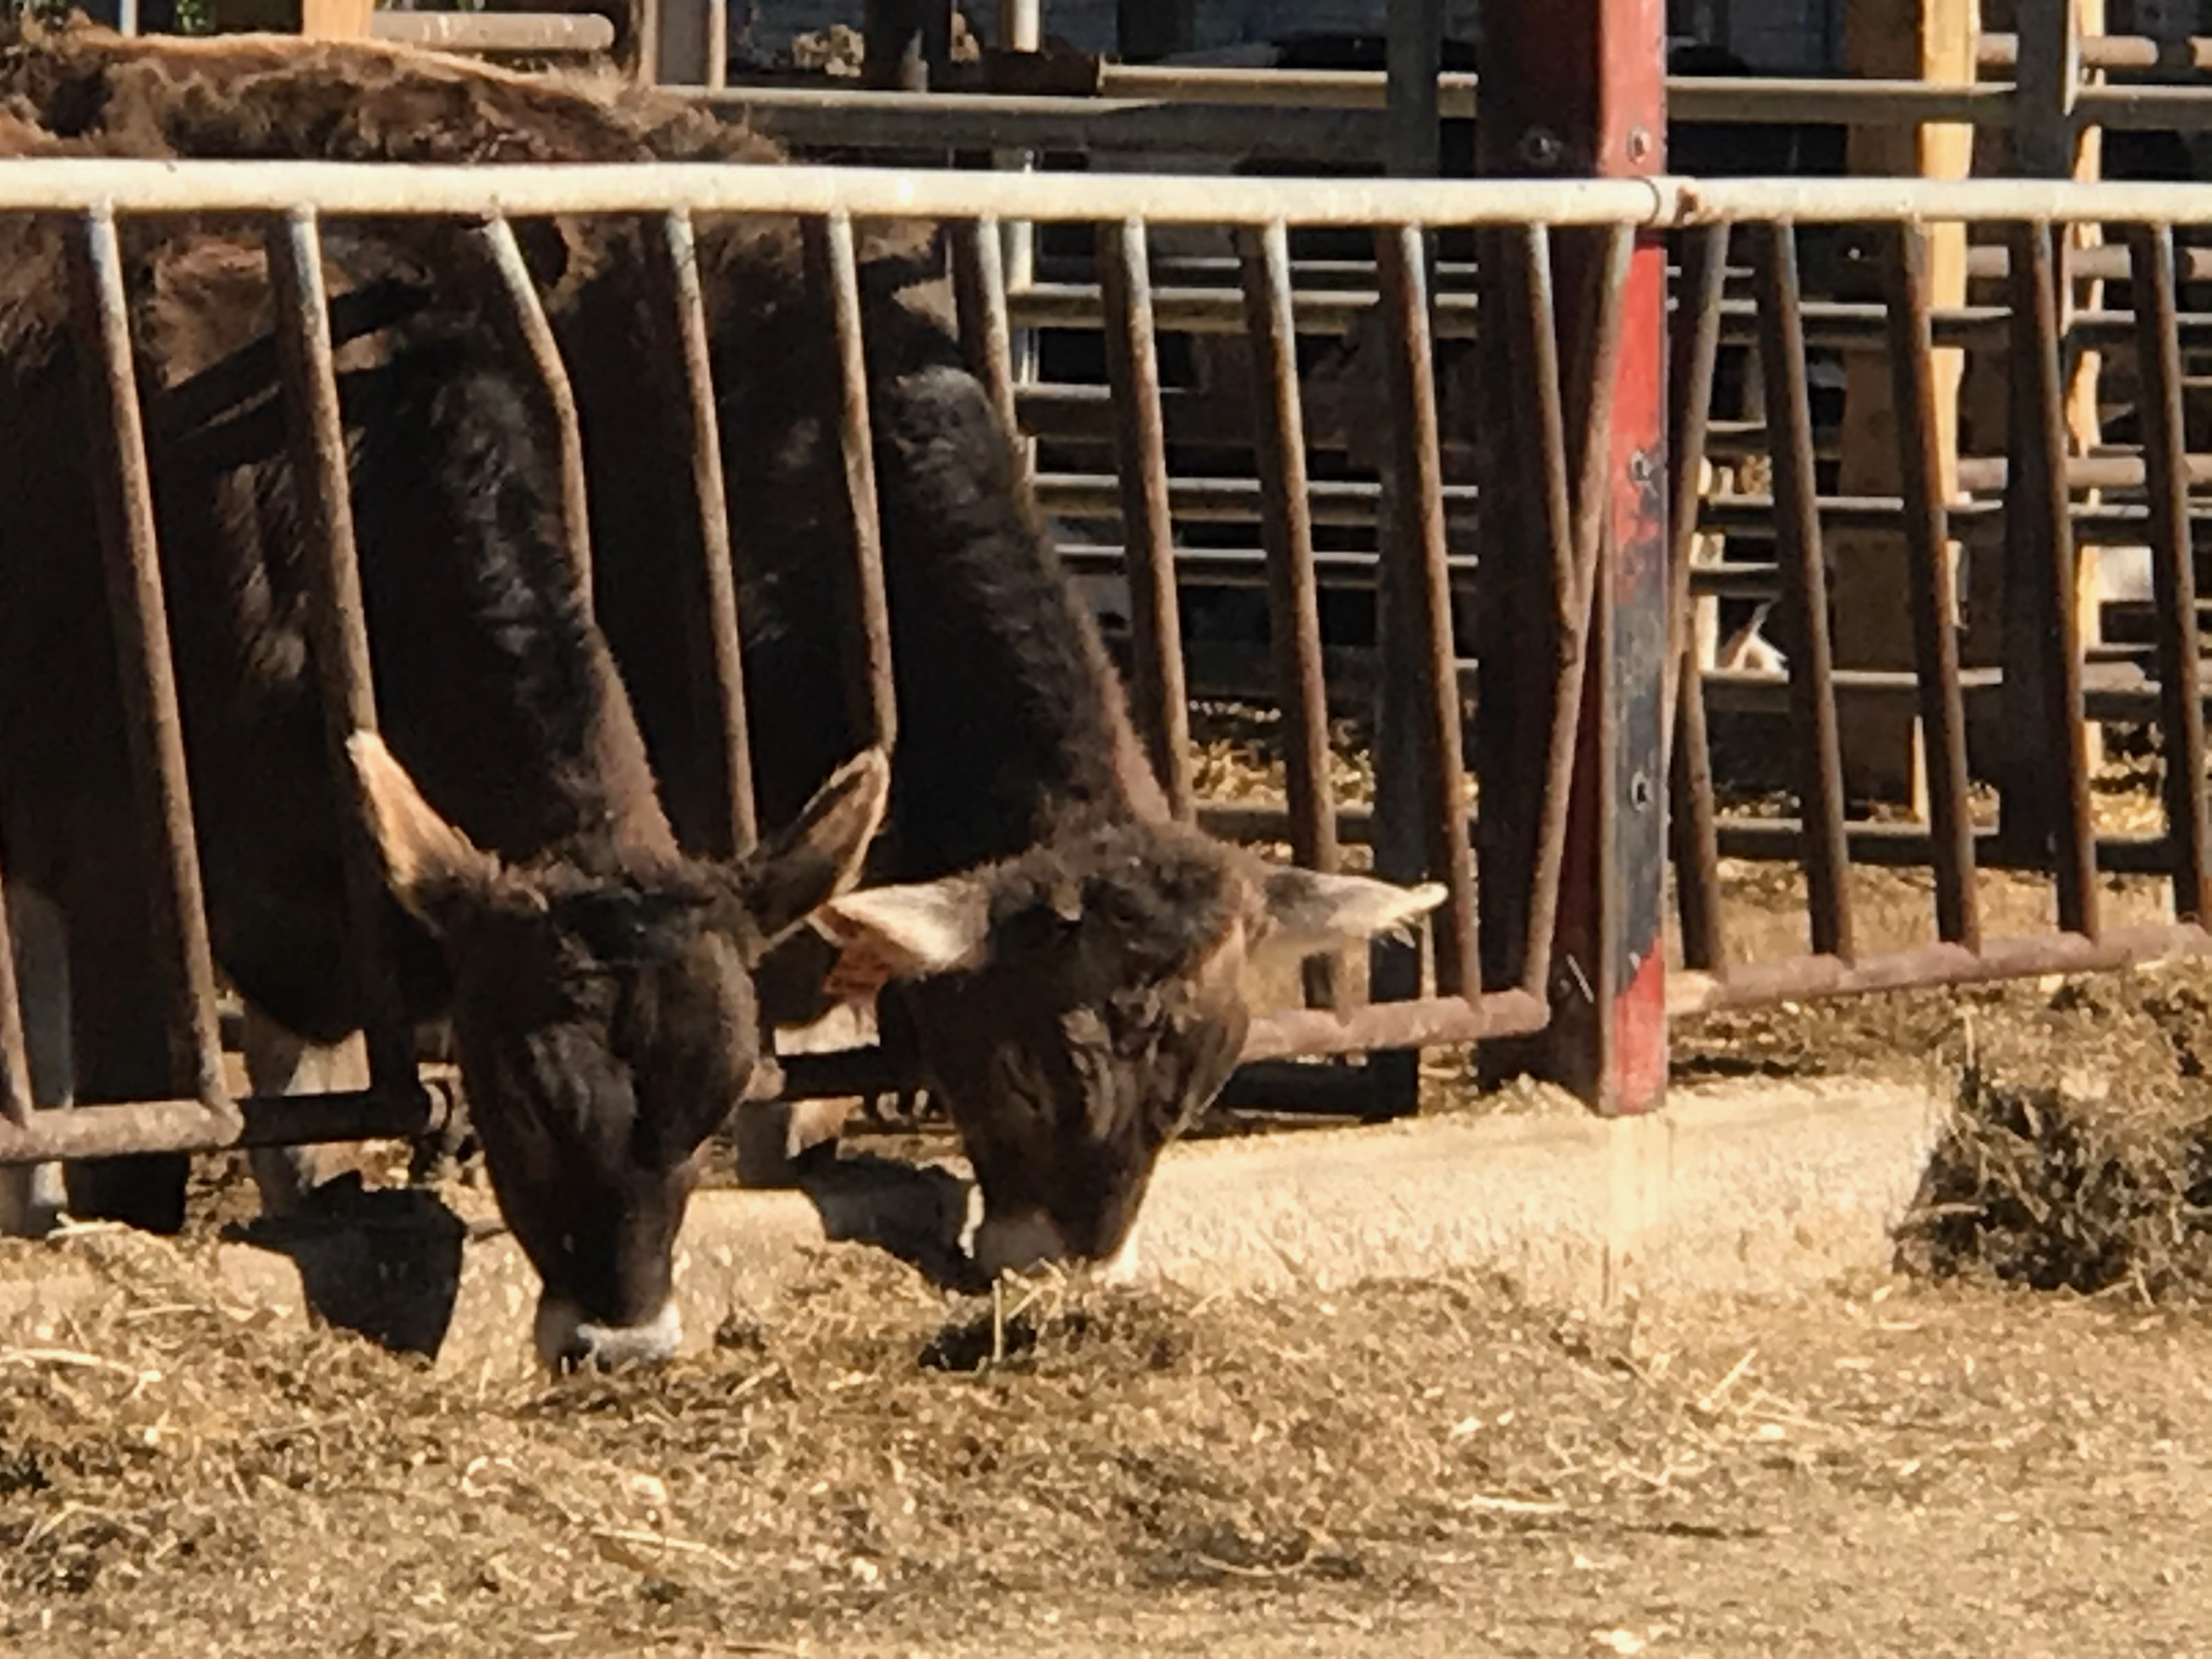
x,y
1306,912
431,867
821,854
912,932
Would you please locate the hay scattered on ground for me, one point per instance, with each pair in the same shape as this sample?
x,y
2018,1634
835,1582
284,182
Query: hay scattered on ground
x,y
865,1467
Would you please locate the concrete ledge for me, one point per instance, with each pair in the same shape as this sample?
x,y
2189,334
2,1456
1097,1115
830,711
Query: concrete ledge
x,y
1756,1188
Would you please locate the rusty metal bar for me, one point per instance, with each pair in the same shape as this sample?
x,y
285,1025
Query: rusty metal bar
x,y
979,280
1293,589
2042,537
1695,350
2174,569
124,493
1426,1022
674,252
187,1126
2000,49
523,317
1805,593
1340,501
873,691
1798,978
338,620
1418,546
16,1097
1574,525
1141,441
1934,636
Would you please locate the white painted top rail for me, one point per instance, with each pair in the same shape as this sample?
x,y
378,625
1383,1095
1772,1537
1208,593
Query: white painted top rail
x,y
341,189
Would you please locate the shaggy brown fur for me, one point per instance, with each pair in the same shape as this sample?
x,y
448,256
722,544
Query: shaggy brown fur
x,y
598,981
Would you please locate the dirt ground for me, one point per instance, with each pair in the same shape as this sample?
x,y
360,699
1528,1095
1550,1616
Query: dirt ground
x,y
2003,1448
1424,1468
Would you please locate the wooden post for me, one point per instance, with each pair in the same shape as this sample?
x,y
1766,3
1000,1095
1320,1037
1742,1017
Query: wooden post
x,y
1577,88
1904,40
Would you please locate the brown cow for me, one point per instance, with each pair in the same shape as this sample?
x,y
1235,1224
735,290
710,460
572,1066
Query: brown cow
x,y
598,980
1075,964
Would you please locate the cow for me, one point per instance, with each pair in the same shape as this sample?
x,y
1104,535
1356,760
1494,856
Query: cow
x,y
598,980
1074,965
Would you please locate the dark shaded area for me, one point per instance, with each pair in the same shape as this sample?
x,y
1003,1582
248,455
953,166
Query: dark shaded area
x,y
383,1264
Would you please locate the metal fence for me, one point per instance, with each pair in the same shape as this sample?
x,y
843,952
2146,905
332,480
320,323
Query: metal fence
x,y
1547,424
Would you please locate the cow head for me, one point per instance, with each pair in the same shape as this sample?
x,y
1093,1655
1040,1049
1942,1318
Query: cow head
x,y
604,1018
1078,1006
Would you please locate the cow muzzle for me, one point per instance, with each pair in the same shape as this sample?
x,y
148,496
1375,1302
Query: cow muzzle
x,y
568,1341
1027,1239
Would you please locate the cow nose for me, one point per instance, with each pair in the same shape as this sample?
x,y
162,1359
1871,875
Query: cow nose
x,y
1018,1242
568,1341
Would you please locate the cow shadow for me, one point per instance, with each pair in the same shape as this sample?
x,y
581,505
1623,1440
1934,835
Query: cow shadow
x,y
916,1212
385,1263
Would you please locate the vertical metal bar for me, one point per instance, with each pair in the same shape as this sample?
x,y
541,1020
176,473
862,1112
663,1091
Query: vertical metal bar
x,y
873,690
1694,341
1417,550
2041,525
2173,565
1934,631
524,318
139,614
718,44
979,286
1577,524
676,253
1694,831
1692,825
1148,529
1293,591
1804,589
338,621
15,1101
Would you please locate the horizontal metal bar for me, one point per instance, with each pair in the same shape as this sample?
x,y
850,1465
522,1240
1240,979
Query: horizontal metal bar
x,y
1755,840
1753,984
535,32
1906,846
2102,524
1228,501
1455,93
2001,50
345,189
1285,1034
187,1126
1092,497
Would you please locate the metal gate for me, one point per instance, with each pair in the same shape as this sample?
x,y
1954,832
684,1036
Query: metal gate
x,y
1549,503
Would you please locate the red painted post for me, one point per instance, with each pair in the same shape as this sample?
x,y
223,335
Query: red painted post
x,y
1574,89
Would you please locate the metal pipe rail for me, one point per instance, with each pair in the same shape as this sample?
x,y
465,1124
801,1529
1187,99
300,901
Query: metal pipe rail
x,y
1456,91
534,34
359,190
1337,129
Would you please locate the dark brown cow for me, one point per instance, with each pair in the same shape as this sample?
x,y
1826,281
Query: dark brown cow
x,y
1075,964
598,981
